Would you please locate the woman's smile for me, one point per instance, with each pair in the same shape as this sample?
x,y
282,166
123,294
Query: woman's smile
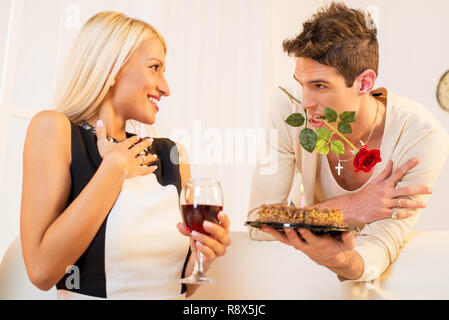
x,y
153,100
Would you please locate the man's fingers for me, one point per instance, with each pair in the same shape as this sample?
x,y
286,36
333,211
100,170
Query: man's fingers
x,y
276,234
294,238
411,190
402,170
348,240
406,203
402,213
308,236
386,172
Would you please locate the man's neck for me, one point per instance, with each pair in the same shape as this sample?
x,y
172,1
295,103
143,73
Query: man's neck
x,y
369,115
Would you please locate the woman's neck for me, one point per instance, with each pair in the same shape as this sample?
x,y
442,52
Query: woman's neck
x,y
115,125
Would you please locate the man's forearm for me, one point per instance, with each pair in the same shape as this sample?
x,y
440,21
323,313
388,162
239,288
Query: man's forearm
x,y
351,268
339,202
343,203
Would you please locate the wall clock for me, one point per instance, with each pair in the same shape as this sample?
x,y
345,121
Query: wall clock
x,y
443,91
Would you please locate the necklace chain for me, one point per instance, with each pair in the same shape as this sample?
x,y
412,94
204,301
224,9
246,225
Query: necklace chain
x,y
371,132
92,129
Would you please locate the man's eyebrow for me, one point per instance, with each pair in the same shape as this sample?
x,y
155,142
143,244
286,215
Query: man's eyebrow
x,y
317,81
312,81
294,77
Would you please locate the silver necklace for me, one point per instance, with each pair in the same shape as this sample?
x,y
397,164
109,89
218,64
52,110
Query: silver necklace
x,y
339,167
92,130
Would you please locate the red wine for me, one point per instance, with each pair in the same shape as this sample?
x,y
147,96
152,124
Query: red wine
x,y
194,215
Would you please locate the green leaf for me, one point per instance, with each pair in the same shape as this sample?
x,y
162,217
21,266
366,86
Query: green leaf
x,y
308,138
331,115
323,133
344,127
347,116
322,147
337,147
295,120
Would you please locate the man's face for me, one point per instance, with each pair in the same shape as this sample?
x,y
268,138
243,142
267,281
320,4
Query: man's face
x,y
323,87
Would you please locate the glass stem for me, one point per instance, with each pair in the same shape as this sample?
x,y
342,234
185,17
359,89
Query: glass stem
x,y
195,267
200,262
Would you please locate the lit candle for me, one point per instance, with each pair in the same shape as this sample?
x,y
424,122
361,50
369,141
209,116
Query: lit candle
x,y
301,195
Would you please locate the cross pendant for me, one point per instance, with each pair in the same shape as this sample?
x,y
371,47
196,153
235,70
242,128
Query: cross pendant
x,y
339,167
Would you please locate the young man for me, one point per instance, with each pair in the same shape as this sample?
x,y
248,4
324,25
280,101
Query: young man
x,y
336,67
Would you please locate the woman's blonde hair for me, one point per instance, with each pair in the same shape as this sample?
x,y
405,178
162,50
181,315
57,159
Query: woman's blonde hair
x,y
103,46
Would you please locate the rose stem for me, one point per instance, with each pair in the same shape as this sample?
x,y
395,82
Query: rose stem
x,y
332,128
293,98
336,131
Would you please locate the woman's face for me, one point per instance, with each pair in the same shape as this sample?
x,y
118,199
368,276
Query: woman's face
x,y
141,83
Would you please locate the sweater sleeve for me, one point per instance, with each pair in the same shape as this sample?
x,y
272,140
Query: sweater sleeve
x,y
381,241
275,170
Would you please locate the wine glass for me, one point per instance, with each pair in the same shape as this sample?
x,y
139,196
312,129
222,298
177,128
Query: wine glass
x,y
201,199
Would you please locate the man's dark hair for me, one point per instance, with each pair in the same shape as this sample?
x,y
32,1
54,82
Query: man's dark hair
x,y
339,37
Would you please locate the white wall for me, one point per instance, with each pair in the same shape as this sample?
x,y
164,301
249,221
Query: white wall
x,y
413,56
224,62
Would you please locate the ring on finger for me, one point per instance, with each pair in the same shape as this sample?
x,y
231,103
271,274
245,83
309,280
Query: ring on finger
x,y
399,203
394,216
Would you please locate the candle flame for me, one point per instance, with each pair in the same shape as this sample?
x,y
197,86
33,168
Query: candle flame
x,y
301,195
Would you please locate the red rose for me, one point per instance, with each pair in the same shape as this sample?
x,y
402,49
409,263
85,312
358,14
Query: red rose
x,y
366,159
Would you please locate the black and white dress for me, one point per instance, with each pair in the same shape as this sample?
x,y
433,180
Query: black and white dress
x,y
138,253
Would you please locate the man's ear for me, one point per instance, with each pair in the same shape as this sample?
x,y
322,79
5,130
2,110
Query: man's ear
x,y
365,81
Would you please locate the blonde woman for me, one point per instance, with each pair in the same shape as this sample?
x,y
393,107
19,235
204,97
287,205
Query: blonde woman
x,y
100,205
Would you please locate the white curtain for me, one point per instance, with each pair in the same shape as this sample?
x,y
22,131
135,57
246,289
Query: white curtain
x,y
224,63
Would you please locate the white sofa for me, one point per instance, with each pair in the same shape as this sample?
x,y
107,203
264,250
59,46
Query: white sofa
x,y
269,270
14,282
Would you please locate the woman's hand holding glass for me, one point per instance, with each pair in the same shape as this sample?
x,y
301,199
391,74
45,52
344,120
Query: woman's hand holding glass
x,y
201,203
213,245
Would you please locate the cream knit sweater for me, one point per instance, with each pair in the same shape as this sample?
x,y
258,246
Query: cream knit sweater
x,y
410,131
